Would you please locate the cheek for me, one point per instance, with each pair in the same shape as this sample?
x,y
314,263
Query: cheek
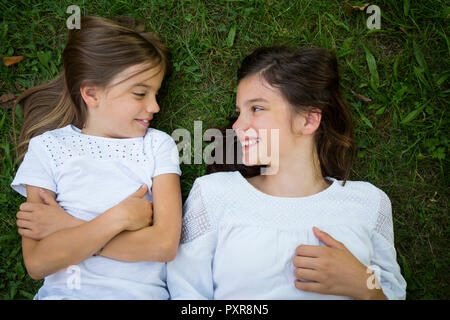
x,y
273,132
130,109
287,142
263,125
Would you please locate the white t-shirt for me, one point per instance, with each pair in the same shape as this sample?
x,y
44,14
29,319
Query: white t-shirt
x,y
89,175
238,242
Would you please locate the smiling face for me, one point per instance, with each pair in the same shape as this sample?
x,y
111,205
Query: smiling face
x,y
264,122
123,109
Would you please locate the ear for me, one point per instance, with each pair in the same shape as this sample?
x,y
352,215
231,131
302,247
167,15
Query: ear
x,y
91,95
309,121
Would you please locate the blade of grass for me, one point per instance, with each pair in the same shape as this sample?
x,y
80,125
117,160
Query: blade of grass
x,y
231,35
374,77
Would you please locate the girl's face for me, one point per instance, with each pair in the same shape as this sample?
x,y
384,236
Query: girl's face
x,y
125,109
264,123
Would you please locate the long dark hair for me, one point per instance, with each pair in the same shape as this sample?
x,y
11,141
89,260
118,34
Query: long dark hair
x,y
307,79
94,54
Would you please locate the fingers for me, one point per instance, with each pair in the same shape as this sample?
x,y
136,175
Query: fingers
x,y
24,224
327,239
142,191
24,215
304,262
307,274
48,198
308,286
29,206
27,233
310,251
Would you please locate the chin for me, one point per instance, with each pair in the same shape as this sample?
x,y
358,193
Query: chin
x,y
142,131
256,158
248,163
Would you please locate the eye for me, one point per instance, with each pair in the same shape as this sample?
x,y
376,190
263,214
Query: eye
x,y
139,94
237,111
255,108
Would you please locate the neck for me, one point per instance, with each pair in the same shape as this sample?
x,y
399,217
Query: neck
x,y
298,175
90,129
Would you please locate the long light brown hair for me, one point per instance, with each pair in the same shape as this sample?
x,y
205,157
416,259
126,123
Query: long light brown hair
x,y
94,54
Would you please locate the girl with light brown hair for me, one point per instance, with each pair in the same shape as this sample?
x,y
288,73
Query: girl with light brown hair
x,y
87,147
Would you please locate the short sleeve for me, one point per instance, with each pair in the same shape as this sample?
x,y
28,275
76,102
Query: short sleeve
x,y
165,153
189,275
35,169
384,261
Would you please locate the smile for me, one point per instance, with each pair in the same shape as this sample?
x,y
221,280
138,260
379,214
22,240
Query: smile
x,y
248,143
143,122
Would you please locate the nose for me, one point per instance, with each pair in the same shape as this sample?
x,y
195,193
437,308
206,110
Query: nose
x,y
152,106
241,124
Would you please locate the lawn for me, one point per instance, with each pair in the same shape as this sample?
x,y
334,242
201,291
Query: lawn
x,y
395,79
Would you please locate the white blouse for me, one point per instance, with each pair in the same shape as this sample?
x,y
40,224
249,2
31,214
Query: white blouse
x,y
238,242
89,175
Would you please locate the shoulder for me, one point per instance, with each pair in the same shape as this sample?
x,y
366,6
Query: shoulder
x,y
157,137
209,198
50,143
217,181
368,196
215,188
52,135
164,151
366,190
45,138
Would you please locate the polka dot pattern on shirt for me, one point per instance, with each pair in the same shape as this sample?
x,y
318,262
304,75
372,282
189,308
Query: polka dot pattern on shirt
x,y
70,145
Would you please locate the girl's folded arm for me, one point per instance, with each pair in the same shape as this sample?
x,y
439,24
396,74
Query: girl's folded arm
x,y
158,242
69,246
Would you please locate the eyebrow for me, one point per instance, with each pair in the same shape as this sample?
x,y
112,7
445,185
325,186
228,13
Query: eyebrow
x,y
254,100
141,85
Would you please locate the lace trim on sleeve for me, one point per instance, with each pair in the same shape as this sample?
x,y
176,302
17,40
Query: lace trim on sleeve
x,y
196,221
384,224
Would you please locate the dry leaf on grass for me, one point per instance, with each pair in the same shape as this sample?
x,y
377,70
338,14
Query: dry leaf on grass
x,y
12,60
361,97
350,9
361,8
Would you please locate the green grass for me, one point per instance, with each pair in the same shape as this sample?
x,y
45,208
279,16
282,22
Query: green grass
x,y
402,134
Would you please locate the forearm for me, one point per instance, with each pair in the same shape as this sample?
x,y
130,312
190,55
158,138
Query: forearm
x,y
159,242
148,244
73,222
370,294
368,288
73,245
376,294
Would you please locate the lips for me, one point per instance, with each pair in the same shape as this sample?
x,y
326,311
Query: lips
x,y
144,122
249,142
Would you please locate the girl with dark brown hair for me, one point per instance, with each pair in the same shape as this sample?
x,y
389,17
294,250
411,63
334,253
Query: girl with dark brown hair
x,y
272,235
87,147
